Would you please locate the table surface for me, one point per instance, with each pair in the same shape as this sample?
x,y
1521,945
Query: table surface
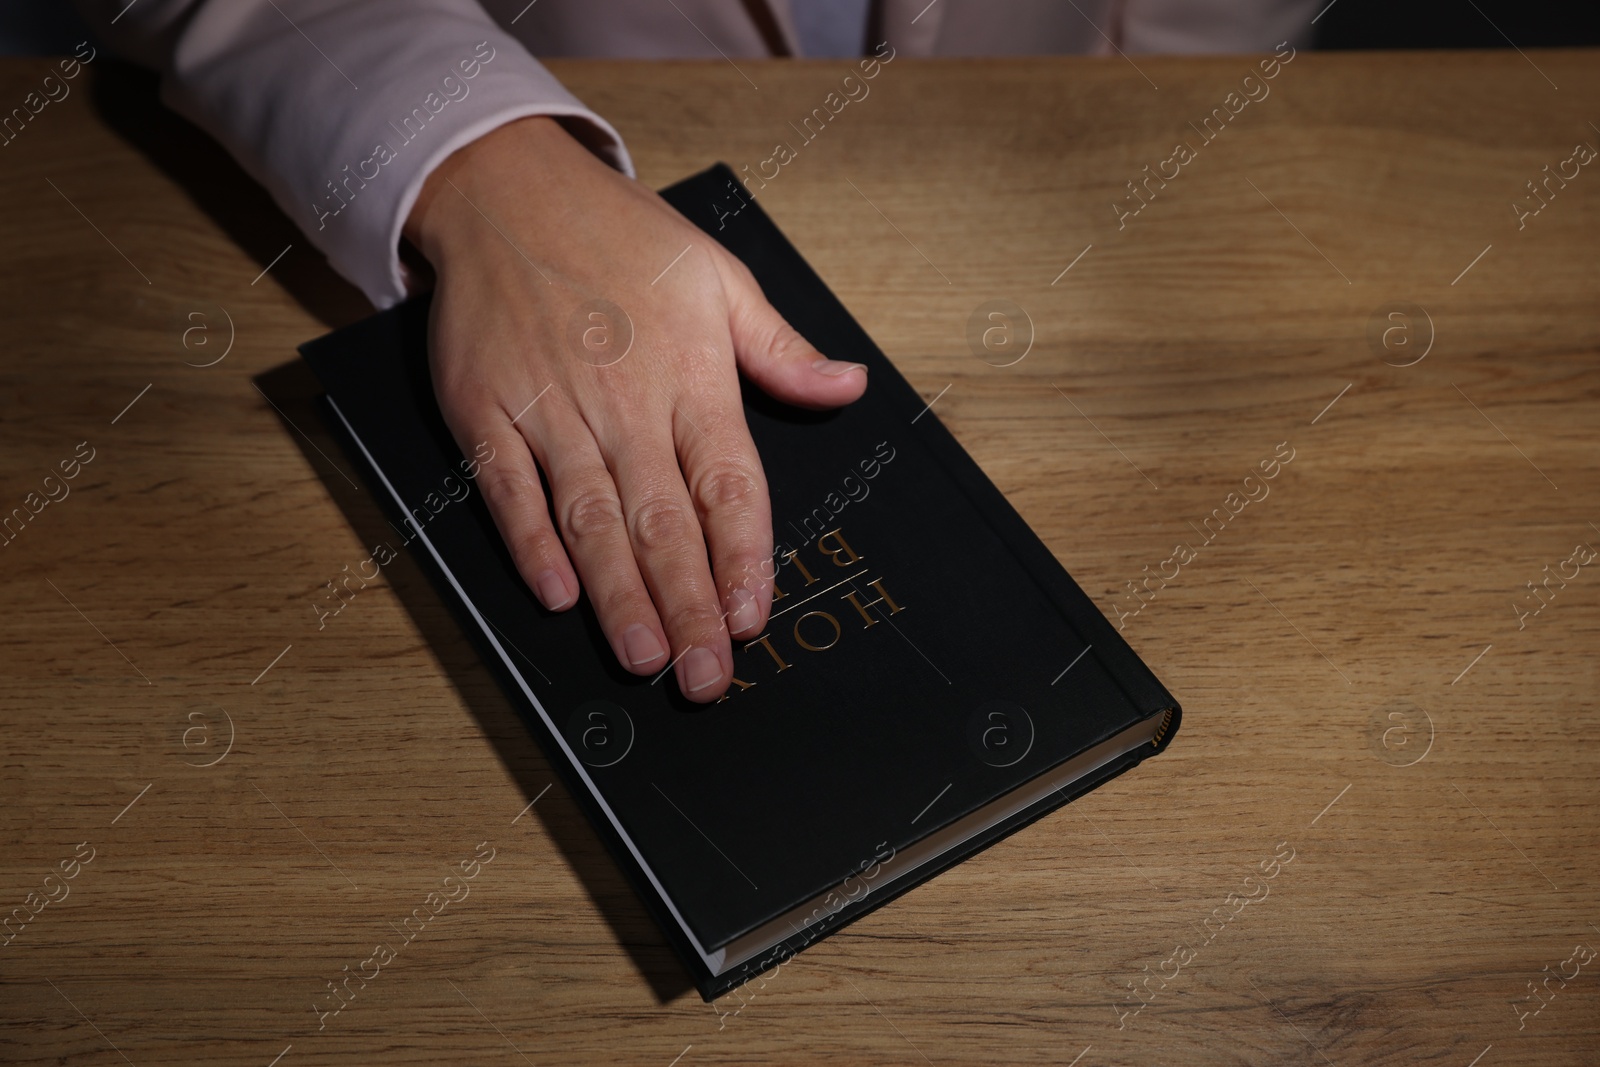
x,y
1338,270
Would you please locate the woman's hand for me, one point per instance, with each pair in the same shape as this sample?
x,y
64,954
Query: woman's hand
x,y
588,332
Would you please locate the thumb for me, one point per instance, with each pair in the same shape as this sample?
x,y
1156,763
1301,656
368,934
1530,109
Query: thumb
x,y
774,355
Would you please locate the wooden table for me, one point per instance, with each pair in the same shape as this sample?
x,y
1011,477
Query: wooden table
x,y
1360,689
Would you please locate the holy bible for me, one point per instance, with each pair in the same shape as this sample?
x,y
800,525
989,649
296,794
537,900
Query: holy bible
x,y
930,681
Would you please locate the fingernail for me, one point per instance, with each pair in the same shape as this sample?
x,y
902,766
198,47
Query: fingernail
x,y
641,645
741,610
836,366
552,590
700,669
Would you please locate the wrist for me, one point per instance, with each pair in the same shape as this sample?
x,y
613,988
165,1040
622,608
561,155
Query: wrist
x,y
510,155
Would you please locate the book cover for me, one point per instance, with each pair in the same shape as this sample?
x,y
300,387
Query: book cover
x,y
931,678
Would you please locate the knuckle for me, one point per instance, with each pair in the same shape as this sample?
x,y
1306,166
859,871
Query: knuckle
x,y
622,601
691,623
787,343
659,523
535,548
739,275
784,336
511,487
592,511
736,570
725,486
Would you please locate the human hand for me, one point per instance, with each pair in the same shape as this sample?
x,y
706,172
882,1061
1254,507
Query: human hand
x,y
647,456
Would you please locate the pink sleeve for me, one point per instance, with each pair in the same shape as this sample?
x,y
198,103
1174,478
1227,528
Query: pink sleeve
x,y
342,108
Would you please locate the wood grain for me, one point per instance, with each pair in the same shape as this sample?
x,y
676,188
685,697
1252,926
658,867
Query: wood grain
x,y
1233,313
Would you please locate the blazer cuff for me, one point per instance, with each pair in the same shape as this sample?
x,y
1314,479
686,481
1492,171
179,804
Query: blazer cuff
x,y
344,141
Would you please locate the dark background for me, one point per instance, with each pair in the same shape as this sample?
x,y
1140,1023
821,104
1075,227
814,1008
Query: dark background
x,y
1458,24
39,27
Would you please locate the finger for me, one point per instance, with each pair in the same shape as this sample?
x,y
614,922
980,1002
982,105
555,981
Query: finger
x,y
671,553
590,515
515,496
722,471
774,355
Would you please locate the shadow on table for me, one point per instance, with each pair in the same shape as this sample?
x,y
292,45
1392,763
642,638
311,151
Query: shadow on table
x,y
126,98
294,389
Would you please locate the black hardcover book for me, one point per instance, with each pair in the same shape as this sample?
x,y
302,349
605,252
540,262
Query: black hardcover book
x,y
931,679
